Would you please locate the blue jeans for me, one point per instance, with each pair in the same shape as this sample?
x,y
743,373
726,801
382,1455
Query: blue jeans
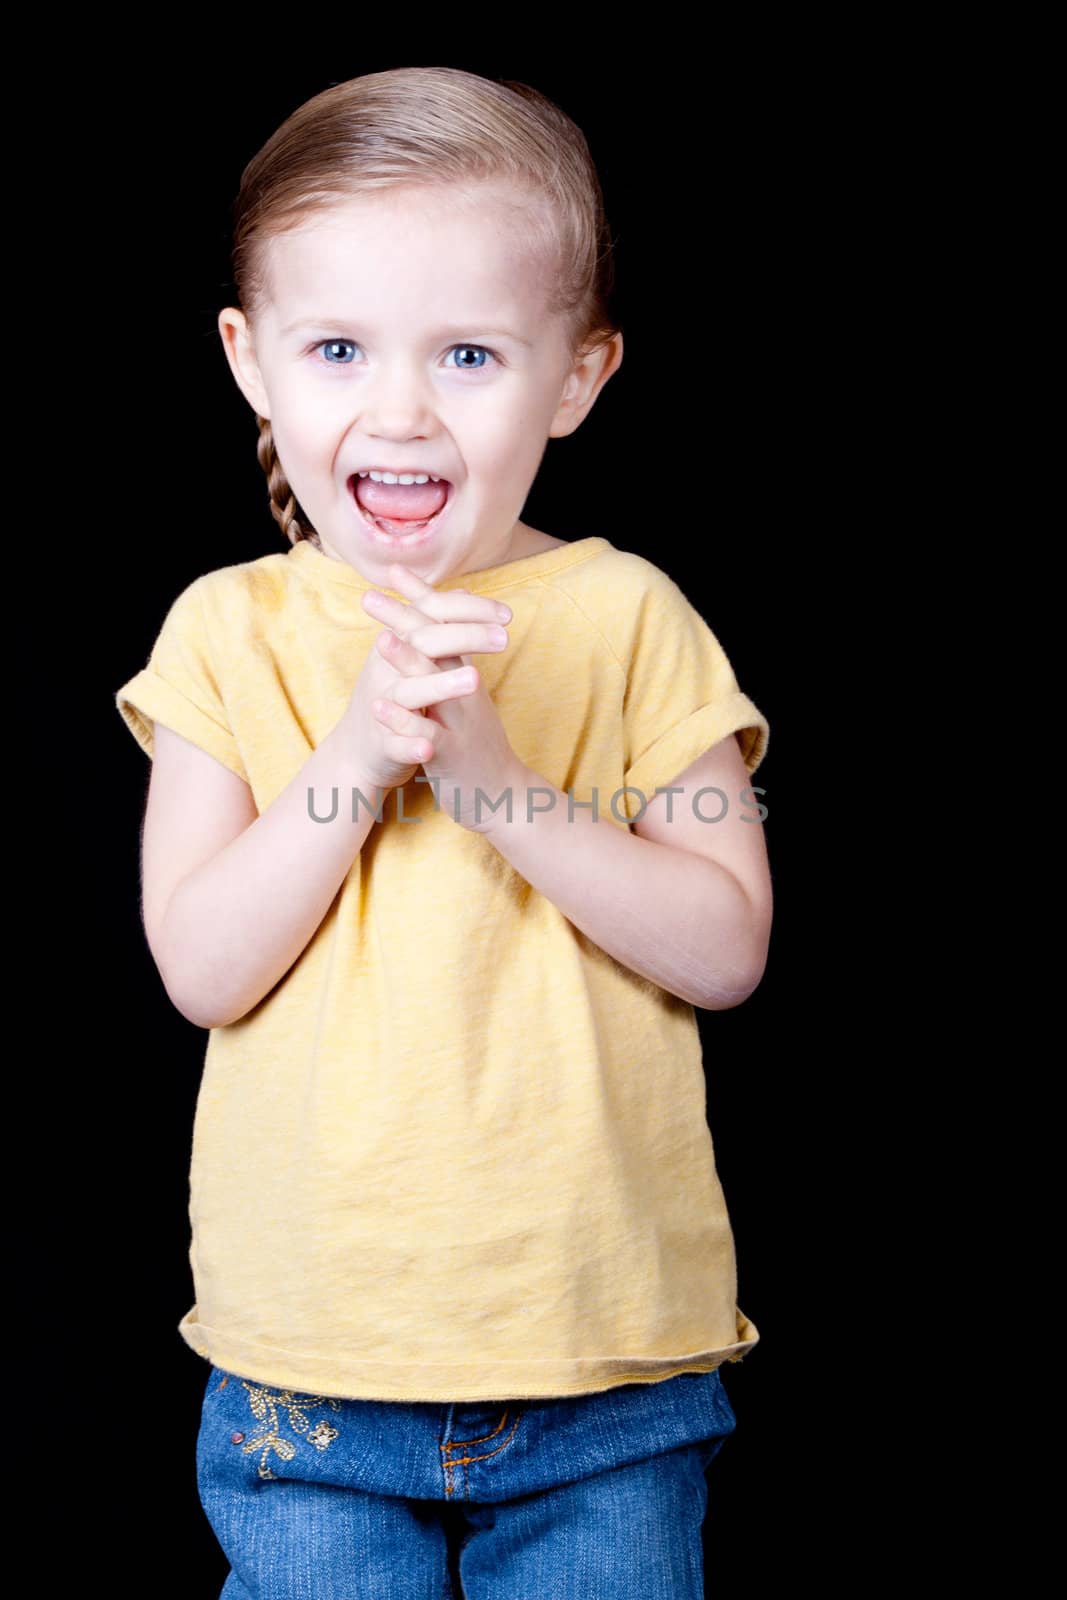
x,y
593,1497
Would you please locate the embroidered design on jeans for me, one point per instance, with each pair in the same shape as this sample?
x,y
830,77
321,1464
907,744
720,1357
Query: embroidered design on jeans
x,y
265,1407
321,1435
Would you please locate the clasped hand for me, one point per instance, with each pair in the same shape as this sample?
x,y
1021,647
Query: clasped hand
x,y
437,710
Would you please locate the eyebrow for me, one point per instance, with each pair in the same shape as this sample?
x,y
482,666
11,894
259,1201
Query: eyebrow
x,y
444,333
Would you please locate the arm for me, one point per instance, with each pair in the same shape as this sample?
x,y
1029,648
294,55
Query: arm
x,y
685,903
230,898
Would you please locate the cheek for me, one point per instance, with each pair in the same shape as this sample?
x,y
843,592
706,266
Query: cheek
x,y
306,429
505,439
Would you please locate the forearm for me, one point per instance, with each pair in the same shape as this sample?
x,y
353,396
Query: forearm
x,y
673,917
235,926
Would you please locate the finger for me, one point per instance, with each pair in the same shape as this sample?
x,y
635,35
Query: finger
x,y
404,656
415,732
406,581
396,614
418,693
443,605
413,724
442,644
457,638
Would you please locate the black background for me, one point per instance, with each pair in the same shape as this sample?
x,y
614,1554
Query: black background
x,y
730,179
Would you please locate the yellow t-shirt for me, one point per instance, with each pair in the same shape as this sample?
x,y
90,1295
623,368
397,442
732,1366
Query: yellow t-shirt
x,y
458,1152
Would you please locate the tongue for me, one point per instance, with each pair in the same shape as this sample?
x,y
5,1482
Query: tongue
x,y
401,502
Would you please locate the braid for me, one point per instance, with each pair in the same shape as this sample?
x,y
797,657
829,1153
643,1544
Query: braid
x,y
284,506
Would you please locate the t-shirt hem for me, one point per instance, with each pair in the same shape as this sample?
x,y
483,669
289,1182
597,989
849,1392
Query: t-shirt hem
x,y
518,1379
147,699
680,746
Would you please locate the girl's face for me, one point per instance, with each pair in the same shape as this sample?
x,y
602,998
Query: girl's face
x,y
407,332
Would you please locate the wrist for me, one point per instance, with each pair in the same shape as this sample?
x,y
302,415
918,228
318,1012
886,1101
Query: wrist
x,y
512,811
346,769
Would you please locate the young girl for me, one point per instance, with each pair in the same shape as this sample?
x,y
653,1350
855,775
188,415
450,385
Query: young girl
x,y
448,832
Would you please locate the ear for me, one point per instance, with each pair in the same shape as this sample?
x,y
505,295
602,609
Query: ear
x,y
241,354
584,383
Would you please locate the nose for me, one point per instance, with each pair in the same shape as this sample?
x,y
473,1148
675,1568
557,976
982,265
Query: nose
x,y
396,402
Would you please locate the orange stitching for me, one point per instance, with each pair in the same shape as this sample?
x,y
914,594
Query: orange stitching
x,y
224,1382
454,1444
447,1466
450,1461
464,1460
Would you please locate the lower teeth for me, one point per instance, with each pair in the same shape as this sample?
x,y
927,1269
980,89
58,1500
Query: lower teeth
x,y
409,527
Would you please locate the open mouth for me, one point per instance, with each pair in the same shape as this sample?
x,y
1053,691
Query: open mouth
x,y
395,531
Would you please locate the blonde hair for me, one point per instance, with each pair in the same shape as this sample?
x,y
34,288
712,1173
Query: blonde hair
x,y
429,127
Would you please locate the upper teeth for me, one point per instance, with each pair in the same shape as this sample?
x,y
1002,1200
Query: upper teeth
x,y
399,477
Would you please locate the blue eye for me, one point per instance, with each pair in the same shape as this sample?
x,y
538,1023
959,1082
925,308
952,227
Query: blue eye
x,y
478,347
334,344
